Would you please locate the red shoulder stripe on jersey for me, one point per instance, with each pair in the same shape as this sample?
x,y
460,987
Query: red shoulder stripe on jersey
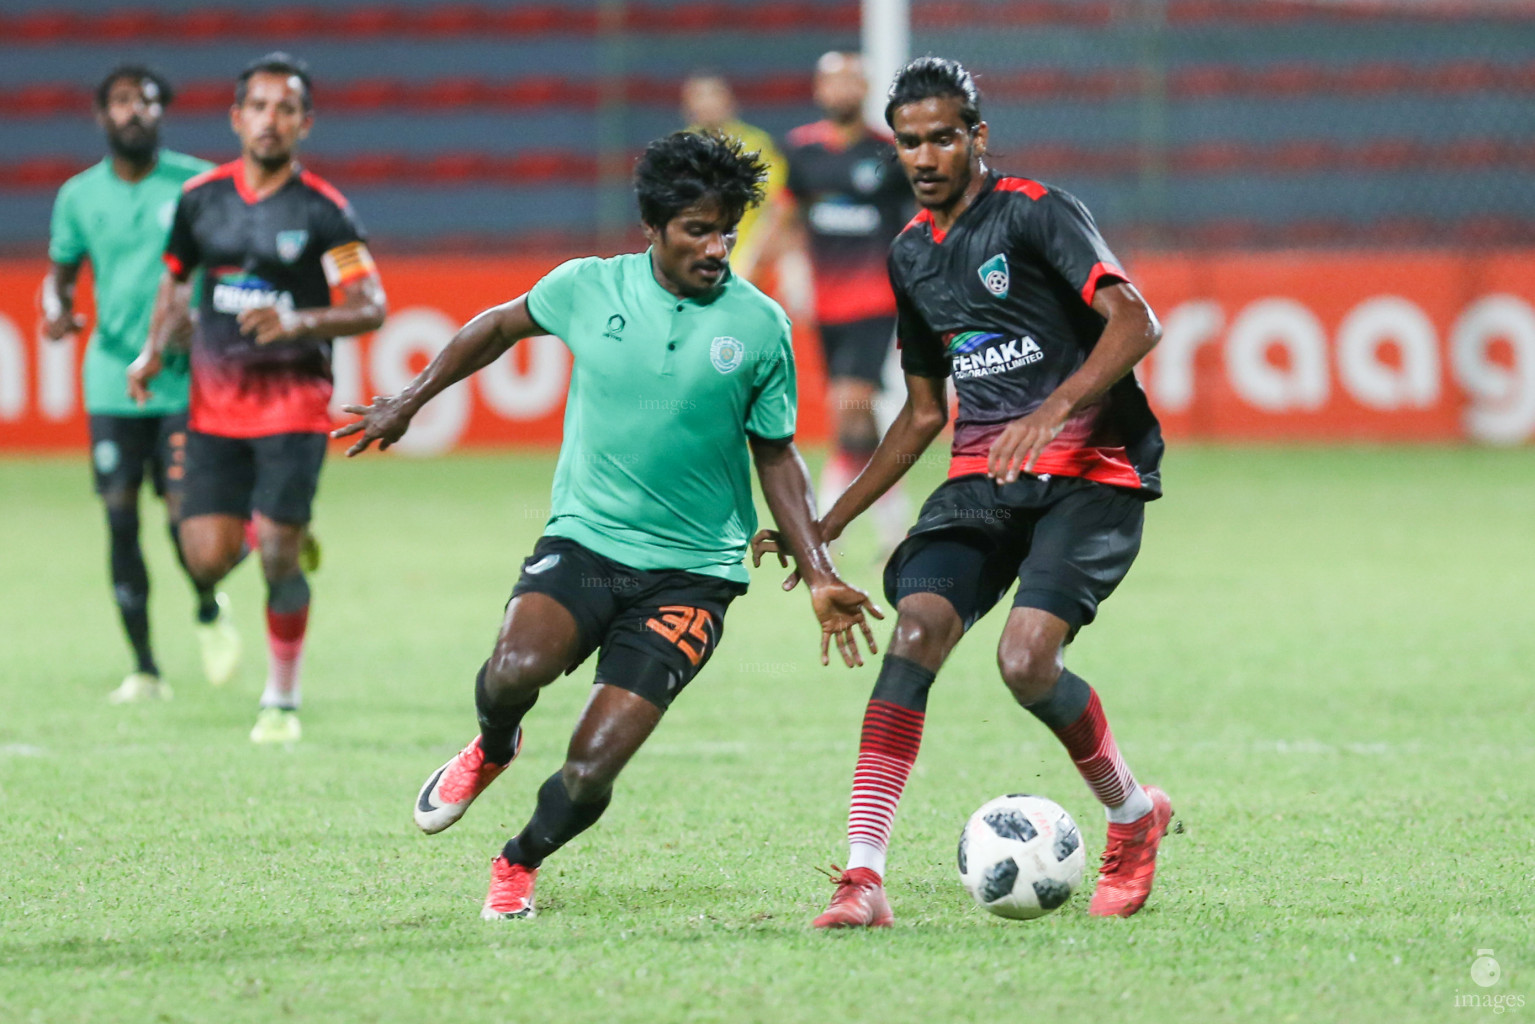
x,y
1033,189
1096,276
211,174
175,266
323,187
925,217
922,217
816,132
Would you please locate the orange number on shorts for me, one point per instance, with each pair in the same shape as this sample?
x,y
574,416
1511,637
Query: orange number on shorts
x,y
677,623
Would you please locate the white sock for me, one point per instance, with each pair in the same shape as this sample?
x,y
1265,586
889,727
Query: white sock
x,y
1133,809
866,855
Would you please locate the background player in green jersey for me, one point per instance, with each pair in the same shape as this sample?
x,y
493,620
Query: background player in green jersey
x,y
683,375
117,215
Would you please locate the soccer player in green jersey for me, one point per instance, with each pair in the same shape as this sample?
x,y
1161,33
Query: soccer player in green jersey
x,y
117,215
683,375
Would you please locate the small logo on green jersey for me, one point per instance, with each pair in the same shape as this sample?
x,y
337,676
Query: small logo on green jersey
x,y
994,275
616,325
726,354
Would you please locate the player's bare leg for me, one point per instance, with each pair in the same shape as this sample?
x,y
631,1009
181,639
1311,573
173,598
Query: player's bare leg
x,y
856,429
1031,658
926,630
210,546
287,616
614,725
537,643
850,407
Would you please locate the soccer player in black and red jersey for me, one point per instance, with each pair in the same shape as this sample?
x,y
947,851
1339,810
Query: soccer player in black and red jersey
x,y
845,195
271,240
1006,285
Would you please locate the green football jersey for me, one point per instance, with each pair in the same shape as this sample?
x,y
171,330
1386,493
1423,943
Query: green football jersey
x,y
655,468
121,229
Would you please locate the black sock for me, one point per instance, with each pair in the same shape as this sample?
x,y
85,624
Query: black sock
x,y
498,723
555,822
130,581
1065,702
903,682
207,603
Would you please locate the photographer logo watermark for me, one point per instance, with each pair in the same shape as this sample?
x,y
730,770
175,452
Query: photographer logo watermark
x,y
1486,972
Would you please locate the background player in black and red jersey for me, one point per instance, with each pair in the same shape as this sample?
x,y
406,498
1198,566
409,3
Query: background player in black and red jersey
x,y
272,240
847,200
1005,284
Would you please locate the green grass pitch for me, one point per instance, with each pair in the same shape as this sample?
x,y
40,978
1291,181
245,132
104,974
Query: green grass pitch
x,y
1325,656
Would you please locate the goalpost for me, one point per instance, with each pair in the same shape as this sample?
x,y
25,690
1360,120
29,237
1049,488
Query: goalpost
x,y
886,40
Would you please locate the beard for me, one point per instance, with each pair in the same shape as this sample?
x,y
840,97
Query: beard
x,y
135,144
271,162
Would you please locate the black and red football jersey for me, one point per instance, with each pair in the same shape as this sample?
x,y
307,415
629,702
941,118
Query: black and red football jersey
x,y
1002,302
855,200
253,253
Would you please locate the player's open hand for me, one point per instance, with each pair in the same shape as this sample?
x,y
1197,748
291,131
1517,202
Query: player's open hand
x,y
384,420
840,607
771,542
57,328
141,372
267,324
1019,445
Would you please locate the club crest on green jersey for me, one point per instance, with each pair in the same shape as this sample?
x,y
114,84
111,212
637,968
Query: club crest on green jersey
x,y
994,275
726,354
290,244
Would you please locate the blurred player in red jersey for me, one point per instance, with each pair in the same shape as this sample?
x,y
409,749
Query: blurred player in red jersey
x,y
271,241
845,201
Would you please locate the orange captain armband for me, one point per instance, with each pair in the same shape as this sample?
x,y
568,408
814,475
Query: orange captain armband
x,y
346,263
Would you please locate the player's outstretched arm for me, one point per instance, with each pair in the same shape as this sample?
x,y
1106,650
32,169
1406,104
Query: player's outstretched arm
x,y
59,317
362,308
478,343
169,322
920,420
839,605
1130,331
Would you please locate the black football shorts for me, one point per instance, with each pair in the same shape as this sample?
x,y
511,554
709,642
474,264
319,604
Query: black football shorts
x,y
1066,541
276,475
655,629
124,447
857,350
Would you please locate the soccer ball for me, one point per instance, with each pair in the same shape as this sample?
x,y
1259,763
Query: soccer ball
x,y
1021,856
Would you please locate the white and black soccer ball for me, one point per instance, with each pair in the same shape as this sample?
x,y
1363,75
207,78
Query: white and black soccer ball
x,y
1021,856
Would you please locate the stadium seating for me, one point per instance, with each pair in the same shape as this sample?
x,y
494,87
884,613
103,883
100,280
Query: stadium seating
x,y
1263,122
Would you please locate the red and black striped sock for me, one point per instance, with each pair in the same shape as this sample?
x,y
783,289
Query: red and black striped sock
x,y
1086,735
892,735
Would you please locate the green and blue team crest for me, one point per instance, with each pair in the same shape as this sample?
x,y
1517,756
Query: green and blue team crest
x,y
290,244
994,275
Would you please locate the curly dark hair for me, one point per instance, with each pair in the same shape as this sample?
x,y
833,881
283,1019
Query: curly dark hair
x,y
684,167
927,77
276,63
136,73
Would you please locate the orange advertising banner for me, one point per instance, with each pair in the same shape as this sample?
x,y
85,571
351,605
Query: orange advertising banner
x,y
519,400
1359,346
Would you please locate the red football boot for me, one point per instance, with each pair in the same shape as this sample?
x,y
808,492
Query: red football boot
x,y
452,788
1130,860
859,902
511,891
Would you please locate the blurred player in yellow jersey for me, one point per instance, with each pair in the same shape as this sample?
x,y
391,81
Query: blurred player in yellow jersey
x,y
708,103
